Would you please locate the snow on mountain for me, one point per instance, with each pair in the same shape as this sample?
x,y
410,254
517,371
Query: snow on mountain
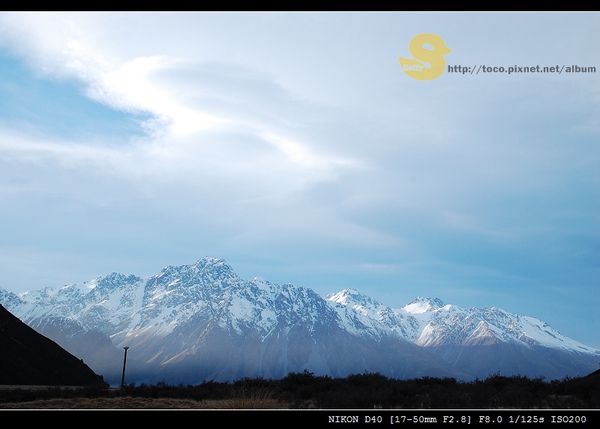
x,y
442,324
202,321
363,314
423,305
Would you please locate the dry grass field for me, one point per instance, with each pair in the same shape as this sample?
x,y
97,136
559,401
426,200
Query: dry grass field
x,y
241,399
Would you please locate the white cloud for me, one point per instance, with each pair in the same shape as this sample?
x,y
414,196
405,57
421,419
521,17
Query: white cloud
x,y
298,139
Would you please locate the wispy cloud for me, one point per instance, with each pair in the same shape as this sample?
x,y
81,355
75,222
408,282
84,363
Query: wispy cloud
x,y
293,145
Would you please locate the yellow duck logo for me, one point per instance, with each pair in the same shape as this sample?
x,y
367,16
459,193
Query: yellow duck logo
x,y
434,57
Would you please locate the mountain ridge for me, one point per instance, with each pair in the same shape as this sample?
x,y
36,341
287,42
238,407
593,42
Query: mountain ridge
x,y
202,321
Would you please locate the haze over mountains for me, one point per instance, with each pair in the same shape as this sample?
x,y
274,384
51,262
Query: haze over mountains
x,y
198,322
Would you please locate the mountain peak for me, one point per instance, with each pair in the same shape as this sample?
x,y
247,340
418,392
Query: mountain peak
x,y
112,281
207,269
350,296
342,295
207,262
423,305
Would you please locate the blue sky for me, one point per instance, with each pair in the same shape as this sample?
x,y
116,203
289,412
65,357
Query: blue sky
x,y
294,146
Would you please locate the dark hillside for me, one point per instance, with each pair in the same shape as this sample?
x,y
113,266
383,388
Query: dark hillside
x,y
29,358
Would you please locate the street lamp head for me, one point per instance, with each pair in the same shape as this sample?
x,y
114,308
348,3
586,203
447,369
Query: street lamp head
x,y
126,347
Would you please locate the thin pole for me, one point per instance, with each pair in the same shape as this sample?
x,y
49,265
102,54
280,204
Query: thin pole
x,y
124,362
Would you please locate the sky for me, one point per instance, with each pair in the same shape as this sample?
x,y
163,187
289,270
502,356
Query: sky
x,y
295,146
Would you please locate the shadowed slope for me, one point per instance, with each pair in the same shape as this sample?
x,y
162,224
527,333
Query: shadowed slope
x,y
29,358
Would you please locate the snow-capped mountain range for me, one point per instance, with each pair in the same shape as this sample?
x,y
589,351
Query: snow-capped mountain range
x,y
198,322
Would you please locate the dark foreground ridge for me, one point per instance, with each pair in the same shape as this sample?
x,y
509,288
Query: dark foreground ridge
x,y
28,357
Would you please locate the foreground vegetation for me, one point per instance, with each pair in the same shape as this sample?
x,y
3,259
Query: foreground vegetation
x,y
305,390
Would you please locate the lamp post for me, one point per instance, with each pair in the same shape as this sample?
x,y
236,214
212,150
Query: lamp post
x,y
124,362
